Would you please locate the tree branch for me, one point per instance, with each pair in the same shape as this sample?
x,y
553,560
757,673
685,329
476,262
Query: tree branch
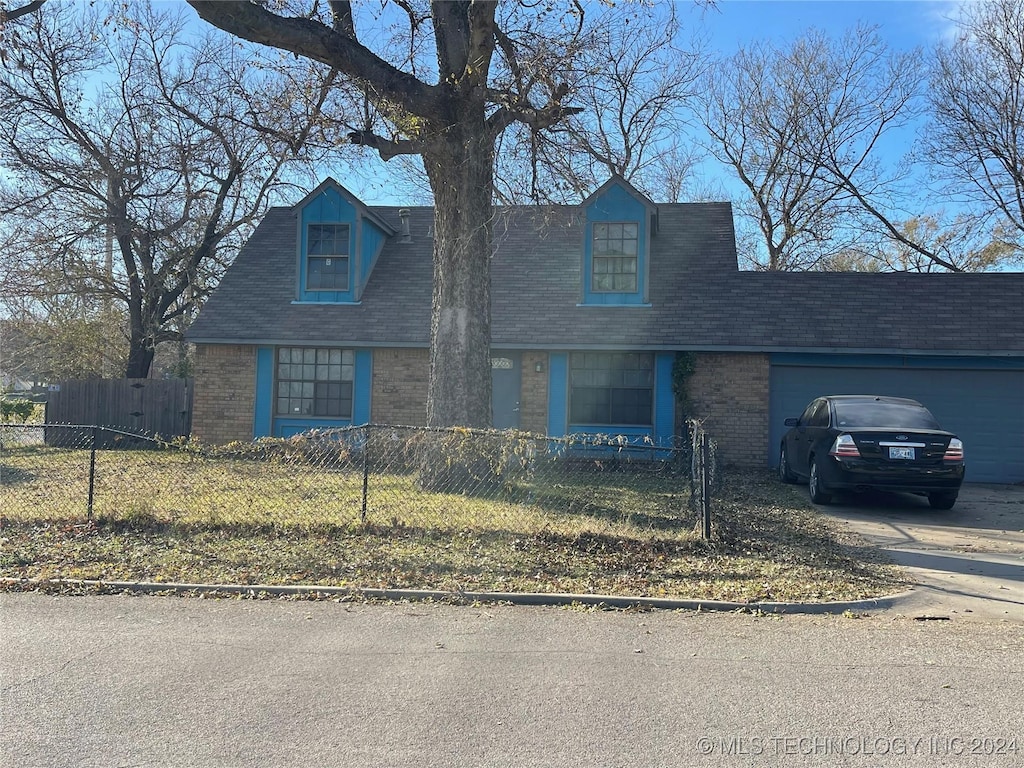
x,y
388,148
341,14
334,47
537,118
17,13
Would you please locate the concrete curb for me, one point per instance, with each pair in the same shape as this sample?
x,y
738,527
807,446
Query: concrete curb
x,y
515,598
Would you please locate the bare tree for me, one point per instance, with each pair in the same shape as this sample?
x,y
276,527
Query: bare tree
x,y
961,247
634,82
459,74
134,163
976,136
9,39
66,341
758,108
52,330
801,126
17,12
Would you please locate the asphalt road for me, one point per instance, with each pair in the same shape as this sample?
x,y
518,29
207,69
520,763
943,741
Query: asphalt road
x,y
163,681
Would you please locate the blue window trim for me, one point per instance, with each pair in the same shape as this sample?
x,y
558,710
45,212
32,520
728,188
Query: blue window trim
x,y
664,398
263,412
330,303
632,305
617,202
326,295
558,393
265,423
899,360
661,431
596,298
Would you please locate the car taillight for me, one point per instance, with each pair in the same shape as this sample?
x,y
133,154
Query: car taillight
x,y
844,448
954,451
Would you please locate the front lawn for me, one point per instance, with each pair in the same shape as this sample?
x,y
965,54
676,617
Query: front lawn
x,y
171,516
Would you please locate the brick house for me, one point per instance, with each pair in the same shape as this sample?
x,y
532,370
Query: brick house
x,y
324,320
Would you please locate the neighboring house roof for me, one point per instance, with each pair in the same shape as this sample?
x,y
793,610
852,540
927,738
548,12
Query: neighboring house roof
x,y
698,297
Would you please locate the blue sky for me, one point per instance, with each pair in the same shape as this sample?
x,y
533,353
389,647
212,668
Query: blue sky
x,y
901,23
904,24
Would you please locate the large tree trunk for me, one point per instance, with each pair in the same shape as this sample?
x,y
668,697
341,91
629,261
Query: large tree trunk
x,y
140,350
461,178
459,390
140,359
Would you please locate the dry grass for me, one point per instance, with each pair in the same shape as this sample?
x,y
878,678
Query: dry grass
x,y
170,516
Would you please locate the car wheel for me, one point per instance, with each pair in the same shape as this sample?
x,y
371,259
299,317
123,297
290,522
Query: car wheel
x,y
785,473
818,493
942,500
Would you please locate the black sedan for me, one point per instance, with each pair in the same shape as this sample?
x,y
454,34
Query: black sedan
x,y
865,442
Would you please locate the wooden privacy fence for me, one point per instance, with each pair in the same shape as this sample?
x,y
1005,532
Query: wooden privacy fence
x,y
147,406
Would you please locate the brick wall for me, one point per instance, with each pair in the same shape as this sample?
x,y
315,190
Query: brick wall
x,y
400,386
225,393
533,402
730,391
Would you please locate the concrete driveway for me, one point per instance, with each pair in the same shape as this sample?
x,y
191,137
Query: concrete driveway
x,y
967,562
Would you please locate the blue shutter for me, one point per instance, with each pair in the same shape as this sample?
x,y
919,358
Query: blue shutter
x,y
664,399
362,387
264,410
558,394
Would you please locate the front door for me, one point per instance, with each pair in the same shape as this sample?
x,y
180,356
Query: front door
x,y
506,379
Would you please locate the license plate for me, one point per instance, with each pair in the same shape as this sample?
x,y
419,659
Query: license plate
x,y
901,452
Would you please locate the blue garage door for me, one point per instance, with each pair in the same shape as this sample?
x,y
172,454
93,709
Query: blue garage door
x,y
984,407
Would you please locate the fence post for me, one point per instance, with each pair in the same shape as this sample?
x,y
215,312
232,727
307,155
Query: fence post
x,y
92,470
366,472
705,481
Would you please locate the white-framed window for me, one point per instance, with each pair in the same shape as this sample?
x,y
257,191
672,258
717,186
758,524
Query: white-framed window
x,y
327,257
614,257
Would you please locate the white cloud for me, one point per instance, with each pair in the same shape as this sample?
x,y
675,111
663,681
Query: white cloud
x,y
942,17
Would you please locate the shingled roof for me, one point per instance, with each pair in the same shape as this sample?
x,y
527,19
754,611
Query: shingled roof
x,y
698,298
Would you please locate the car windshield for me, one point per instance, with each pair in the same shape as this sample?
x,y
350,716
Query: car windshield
x,y
871,413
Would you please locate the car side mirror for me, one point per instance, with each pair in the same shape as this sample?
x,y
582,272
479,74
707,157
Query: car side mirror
x,y
792,422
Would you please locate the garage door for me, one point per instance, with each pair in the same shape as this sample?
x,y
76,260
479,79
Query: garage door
x,y
984,407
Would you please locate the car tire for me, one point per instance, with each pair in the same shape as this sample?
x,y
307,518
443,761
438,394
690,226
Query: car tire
x,y
818,493
785,473
942,500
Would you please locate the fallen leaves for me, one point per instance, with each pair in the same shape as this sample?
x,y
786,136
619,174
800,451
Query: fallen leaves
x,y
768,549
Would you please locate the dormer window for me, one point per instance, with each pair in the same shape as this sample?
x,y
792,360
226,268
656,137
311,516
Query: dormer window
x,y
338,241
615,257
327,267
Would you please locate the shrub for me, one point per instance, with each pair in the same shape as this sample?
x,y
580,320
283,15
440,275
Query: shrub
x,y
17,410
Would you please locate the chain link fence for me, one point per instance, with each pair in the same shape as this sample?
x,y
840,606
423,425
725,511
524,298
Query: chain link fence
x,y
431,479
705,474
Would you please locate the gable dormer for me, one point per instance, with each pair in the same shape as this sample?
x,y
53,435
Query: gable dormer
x,y
339,240
619,223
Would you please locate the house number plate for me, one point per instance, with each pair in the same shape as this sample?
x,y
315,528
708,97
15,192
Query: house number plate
x,y
502,363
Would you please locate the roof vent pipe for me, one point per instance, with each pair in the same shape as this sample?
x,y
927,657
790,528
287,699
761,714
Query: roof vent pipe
x,y
404,236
